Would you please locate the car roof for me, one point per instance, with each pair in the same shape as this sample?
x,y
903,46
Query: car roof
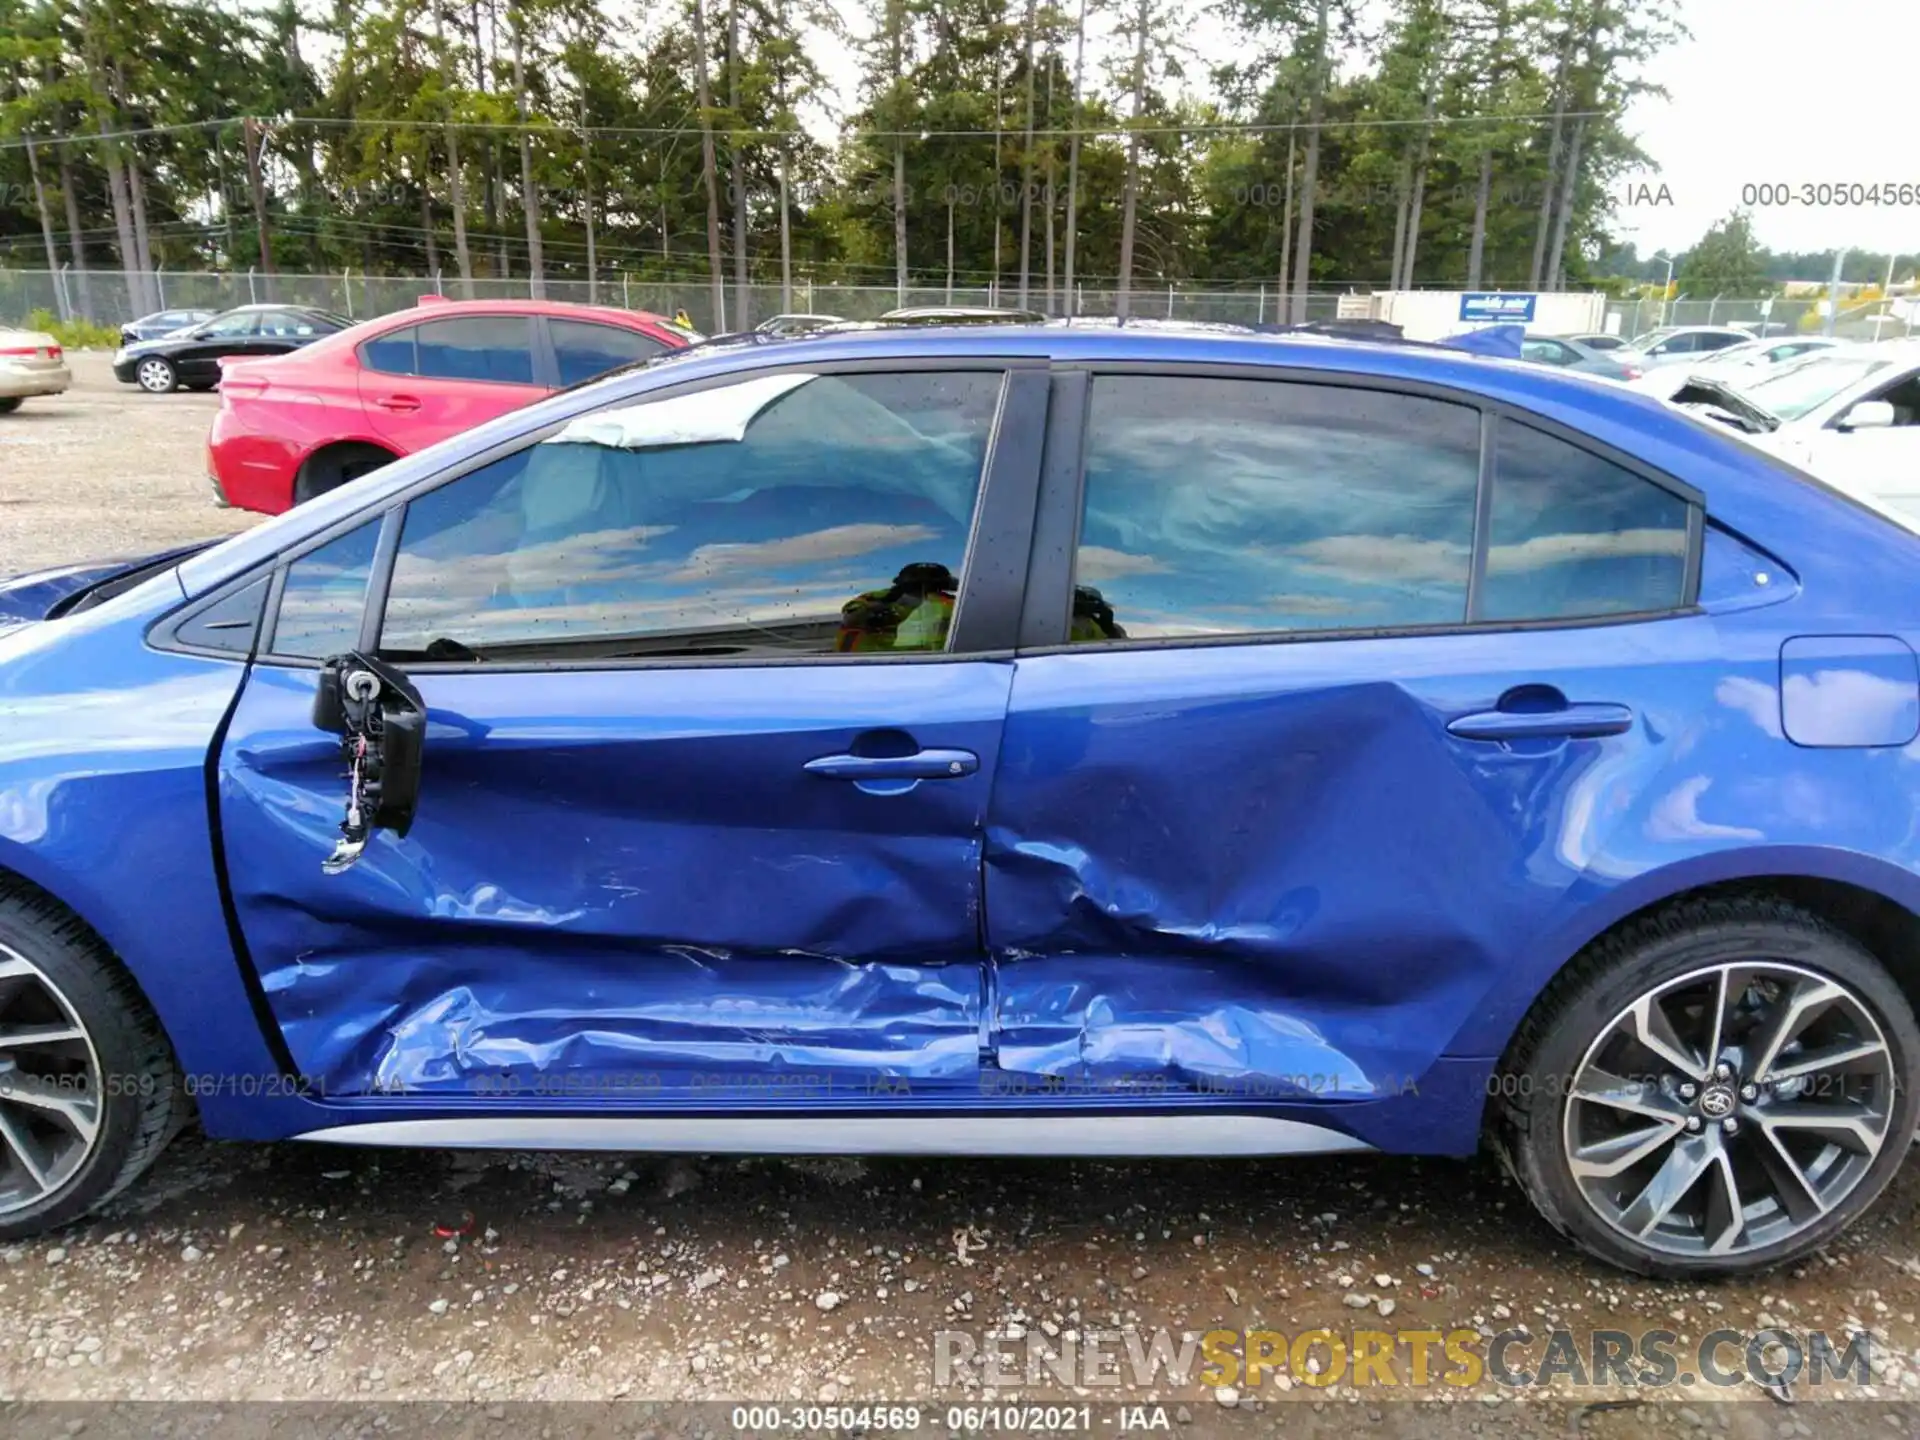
x,y
430,307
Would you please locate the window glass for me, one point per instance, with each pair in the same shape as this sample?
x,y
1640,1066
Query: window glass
x,y
391,353
1904,396
585,350
325,592
1717,342
228,326
478,347
838,524
1573,535
1805,385
1218,507
1546,352
282,323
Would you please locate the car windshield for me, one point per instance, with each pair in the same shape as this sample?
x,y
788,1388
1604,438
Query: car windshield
x,y
1799,389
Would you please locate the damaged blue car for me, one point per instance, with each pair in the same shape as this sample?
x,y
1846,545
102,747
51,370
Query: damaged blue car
x,y
1048,740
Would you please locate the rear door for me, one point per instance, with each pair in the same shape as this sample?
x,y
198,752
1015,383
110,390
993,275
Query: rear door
x,y
420,384
1357,685
711,731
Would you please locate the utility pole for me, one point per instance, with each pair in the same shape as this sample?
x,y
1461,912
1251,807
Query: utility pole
x,y
1833,291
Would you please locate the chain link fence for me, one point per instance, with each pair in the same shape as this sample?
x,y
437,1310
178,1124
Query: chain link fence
x,y
109,297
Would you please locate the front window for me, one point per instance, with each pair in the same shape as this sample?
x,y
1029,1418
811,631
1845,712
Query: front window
x,y
780,516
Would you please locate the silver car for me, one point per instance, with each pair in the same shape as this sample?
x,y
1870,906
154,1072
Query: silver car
x,y
31,363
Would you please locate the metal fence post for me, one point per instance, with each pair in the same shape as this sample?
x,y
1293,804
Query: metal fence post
x,y
1712,306
251,297
1169,302
160,285
346,286
626,301
436,283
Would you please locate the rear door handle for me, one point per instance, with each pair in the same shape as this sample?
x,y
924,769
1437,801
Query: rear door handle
x,y
922,765
399,404
1571,722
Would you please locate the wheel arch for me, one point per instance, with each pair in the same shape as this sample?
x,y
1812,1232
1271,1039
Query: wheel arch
x,y
330,451
1872,901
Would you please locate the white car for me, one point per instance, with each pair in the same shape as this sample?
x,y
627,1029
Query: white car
x,y
31,363
1675,344
1738,365
1850,415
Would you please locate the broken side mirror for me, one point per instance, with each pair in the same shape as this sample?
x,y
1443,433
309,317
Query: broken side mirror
x,y
382,724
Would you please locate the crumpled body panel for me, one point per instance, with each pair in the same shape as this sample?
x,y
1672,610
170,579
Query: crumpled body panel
x,y
621,883
1272,871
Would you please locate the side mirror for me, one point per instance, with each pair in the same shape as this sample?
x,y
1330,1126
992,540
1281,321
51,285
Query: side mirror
x,y
382,724
1869,415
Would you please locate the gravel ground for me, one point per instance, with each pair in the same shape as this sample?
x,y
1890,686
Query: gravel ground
x,y
103,470
369,1278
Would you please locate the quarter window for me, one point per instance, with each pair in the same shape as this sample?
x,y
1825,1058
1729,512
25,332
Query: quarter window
x,y
1219,507
478,347
584,350
392,353
833,518
325,593
1573,535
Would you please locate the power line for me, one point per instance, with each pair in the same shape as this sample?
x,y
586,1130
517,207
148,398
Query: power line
x,y
1208,127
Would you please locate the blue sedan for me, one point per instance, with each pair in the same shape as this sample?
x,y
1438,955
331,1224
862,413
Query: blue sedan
x,y
1047,740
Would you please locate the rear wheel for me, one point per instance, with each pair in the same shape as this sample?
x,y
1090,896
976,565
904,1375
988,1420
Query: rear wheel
x,y
156,375
89,1093
9,404
333,467
1721,1088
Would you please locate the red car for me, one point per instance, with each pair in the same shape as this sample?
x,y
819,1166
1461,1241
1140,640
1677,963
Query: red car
x,y
293,426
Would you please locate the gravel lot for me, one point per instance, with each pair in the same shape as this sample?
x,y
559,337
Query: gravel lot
x,y
238,1273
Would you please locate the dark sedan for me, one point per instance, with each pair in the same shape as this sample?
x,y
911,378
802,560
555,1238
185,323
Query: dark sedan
x,y
192,357
162,322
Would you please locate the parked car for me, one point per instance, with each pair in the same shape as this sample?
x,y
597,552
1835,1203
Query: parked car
x,y
945,740
162,322
962,315
1849,414
191,357
796,324
1571,354
293,428
1738,365
1603,342
1673,344
31,363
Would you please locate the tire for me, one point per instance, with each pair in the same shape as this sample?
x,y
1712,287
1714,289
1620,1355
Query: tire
x,y
156,375
333,467
9,404
1744,1136
63,975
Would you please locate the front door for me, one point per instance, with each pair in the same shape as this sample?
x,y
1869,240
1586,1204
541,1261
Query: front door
x,y
1318,761
705,772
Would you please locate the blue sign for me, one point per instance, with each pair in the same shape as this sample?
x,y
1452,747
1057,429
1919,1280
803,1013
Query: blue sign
x,y
1492,306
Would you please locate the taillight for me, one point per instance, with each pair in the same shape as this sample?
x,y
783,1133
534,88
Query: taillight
x,y
53,352
28,350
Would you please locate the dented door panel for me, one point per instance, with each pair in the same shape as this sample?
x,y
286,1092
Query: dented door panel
x,y
625,885
1268,870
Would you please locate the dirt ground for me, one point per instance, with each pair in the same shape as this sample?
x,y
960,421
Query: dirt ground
x,y
372,1279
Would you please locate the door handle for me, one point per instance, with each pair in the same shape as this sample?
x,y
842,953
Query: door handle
x,y
1569,722
922,765
399,404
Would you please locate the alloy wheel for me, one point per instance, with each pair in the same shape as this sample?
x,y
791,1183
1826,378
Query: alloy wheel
x,y
1729,1110
155,376
50,1090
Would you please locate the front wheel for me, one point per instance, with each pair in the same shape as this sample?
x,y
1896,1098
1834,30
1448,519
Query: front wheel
x,y
1718,1089
156,375
89,1093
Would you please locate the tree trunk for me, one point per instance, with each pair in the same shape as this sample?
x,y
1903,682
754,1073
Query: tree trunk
x,y
1548,198
898,22
76,245
1131,195
1402,193
786,235
529,192
1073,155
1310,170
46,233
1569,184
949,251
1476,248
1283,302
1026,174
708,167
426,229
737,171
122,219
1414,206
456,183
257,191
